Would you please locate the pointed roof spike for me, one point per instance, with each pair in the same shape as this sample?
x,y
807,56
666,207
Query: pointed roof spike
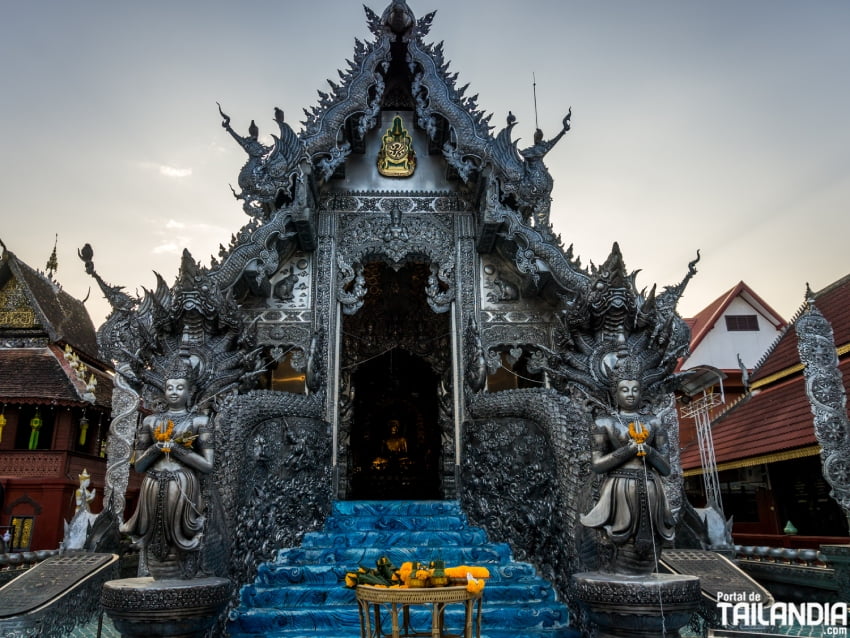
x,y
650,300
809,297
52,261
188,269
615,261
373,21
647,310
424,23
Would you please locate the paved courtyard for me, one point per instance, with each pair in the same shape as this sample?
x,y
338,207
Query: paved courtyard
x,y
109,631
90,630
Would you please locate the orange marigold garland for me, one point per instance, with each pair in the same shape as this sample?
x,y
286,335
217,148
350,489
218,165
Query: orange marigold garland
x,y
164,435
639,435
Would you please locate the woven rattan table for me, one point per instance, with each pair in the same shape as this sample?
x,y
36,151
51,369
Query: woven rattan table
x,y
372,600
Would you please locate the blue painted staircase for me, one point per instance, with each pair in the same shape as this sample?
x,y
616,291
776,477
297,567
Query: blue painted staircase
x,y
301,594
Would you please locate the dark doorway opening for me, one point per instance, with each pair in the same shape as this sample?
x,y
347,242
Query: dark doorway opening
x,y
396,352
395,433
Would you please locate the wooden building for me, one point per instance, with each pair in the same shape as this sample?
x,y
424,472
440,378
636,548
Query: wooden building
x,y
729,336
765,446
55,398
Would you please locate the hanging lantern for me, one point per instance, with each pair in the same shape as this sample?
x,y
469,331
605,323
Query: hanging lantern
x,y
2,422
84,427
35,426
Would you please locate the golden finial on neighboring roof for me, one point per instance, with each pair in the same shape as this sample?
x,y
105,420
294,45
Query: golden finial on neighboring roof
x,y
53,261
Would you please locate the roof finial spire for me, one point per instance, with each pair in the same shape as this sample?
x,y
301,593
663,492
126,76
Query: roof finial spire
x,y
52,261
534,89
810,296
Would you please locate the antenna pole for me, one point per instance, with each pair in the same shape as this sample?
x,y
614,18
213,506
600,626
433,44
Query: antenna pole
x,y
534,87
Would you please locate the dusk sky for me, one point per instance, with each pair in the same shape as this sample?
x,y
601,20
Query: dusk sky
x,y
720,126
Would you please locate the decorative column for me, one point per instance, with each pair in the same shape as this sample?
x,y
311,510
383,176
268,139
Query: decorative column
x,y
825,389
119,446
326,305
464,307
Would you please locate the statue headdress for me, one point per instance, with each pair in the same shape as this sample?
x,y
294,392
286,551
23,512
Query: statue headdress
x,y
180,368
627,368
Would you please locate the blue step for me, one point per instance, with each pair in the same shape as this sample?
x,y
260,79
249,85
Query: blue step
x,y
300,593
370,538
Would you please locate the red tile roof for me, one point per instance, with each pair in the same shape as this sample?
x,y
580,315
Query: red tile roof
x,y
34,375
834,302
777,415
41,375
771,420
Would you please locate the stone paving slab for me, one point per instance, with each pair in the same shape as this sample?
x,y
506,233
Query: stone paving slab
x,y
90,630
809,631
109,631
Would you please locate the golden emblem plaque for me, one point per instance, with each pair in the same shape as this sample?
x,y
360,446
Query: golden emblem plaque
x,y
396,158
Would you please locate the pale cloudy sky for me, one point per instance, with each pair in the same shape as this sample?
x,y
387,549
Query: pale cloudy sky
x,y
720,126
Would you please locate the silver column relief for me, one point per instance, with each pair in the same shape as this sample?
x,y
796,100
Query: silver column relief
x,y
119,447
825,390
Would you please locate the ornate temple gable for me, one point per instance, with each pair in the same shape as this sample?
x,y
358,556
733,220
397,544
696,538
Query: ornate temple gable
x,y
437,99
509,187
352,106
15,310
397,70
32,302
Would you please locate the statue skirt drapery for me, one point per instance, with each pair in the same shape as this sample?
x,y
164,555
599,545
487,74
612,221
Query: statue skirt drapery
x,y
632,505
169,513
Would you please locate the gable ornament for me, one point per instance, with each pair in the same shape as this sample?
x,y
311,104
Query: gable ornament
x,y
396,157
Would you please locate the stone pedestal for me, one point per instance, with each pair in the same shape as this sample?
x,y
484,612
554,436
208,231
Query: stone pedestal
x,y
652,606
148,608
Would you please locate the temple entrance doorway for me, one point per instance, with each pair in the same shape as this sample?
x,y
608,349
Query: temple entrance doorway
x,y
397,354
395,441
